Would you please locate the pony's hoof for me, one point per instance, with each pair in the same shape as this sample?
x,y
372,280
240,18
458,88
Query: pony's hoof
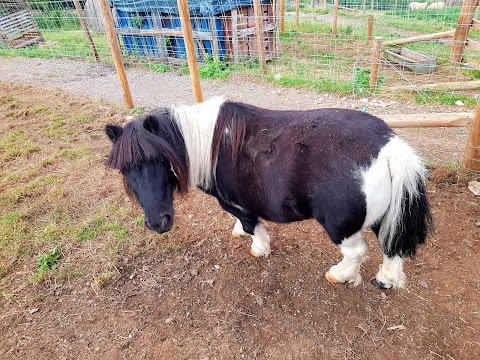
x,y
331,279
236,235
254,254
379,284
257,255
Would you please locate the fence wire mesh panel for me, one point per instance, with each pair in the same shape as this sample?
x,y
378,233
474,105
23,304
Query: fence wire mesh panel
x,y
427,52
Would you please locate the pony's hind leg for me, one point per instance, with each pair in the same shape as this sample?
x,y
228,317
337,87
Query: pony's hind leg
x,y
354,250
391,274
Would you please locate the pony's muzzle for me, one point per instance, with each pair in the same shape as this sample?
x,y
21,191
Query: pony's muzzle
x,y
162,224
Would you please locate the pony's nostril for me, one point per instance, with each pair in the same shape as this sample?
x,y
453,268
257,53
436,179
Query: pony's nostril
x,y
147,225
165,220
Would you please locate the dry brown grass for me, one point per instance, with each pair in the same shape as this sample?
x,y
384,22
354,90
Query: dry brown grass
x,y
53,150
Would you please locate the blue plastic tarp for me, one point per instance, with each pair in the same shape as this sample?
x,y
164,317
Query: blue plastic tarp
x,y
196,8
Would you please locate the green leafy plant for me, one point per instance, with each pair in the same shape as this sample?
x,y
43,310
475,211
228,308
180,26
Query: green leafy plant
x,y
362,79
47,262
159,68
214,68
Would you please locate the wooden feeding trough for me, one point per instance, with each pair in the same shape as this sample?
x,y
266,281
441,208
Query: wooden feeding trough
x,y
417,62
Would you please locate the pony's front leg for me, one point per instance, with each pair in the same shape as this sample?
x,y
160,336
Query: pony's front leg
x,y
354,250
260,239
238,230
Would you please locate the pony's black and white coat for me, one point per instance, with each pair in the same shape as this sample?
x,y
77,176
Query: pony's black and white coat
x,y
347,169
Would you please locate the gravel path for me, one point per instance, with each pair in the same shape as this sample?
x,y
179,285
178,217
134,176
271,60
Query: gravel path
x,y
150,89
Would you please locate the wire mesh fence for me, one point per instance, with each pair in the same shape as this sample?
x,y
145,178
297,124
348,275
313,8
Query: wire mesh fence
x,y
325,45
311,44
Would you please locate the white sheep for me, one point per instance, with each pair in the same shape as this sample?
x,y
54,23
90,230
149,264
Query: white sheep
x,y
418,6
437,5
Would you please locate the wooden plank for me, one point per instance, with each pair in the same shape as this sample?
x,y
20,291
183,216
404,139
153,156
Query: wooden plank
x,y
15,15
463,119
29,42
459,85
29,22
439,35
200,35
473,44
251,31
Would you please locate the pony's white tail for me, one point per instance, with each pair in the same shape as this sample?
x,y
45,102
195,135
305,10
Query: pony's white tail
x,y
407,220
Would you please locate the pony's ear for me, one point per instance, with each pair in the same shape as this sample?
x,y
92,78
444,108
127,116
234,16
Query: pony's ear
x,y
151,124
113,132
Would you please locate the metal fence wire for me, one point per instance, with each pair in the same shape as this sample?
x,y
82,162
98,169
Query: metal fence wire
x,y
327,45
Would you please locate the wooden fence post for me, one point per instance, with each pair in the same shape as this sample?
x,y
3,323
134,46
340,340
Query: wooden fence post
x,y
471,157
463,27
282,16
257,8
335,17
297,13
376,61
190,49
81,16
370,27
116,52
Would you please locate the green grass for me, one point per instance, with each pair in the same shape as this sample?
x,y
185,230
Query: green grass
x,y
12,228
74,153
96,227
425,19
446,99
15,144
159,68
63,43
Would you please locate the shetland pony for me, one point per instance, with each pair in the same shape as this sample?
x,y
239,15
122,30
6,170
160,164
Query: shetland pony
x,y
345,168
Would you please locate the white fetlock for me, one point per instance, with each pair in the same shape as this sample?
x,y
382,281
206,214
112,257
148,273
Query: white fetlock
x,y
391,273
335,276
238,230
354,250
260,242
259,252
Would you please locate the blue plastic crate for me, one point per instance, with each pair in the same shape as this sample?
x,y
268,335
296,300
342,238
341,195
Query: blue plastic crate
x,y
147,46
137,45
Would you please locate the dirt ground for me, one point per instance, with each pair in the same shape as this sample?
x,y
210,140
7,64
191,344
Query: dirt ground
x,y
196,293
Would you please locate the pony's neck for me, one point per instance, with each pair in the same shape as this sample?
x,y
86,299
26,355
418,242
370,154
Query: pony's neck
x,y
197,125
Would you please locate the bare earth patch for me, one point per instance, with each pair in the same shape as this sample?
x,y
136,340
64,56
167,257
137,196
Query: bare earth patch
x,y
120,291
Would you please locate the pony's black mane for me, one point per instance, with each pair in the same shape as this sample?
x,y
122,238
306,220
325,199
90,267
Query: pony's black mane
x,y
153,137
232,116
